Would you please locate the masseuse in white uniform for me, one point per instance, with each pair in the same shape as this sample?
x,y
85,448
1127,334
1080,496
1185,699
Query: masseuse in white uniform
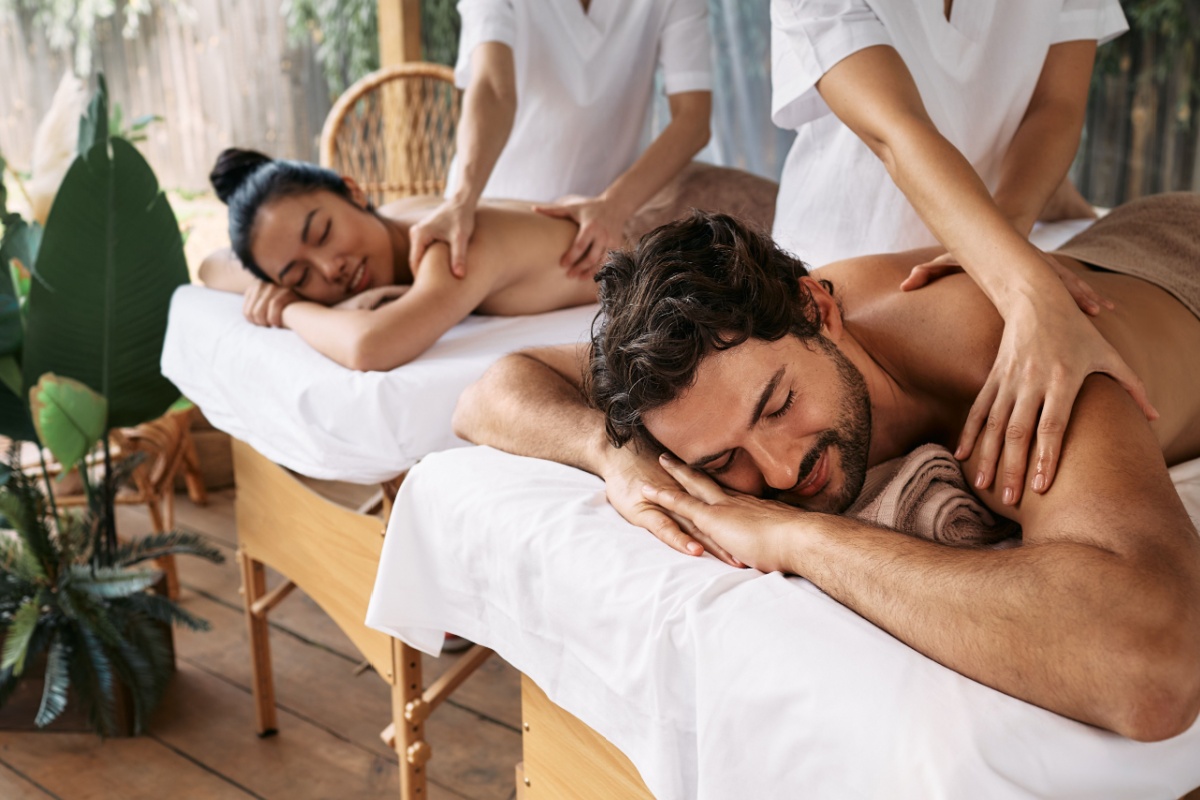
x,y
557,100
953,121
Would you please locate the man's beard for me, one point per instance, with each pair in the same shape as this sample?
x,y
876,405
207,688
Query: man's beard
x,y
851,436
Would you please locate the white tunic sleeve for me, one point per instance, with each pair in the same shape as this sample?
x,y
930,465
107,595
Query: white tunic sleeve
x,y
807,38
1102,20
685,48
482,21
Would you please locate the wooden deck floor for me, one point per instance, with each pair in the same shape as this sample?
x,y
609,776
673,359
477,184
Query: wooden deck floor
x,y
201,744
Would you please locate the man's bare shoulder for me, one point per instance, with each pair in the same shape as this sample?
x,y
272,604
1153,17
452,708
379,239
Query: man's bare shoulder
x,y
939,340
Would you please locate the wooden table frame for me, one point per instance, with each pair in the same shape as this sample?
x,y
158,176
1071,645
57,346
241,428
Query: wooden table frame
x,y
332,553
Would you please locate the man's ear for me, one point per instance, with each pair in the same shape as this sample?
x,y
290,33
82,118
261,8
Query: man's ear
x,y
827,307
356,192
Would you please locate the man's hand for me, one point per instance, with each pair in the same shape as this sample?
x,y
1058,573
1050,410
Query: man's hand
x,y
751,530
373,298
624,478
451,222
264,303
600,226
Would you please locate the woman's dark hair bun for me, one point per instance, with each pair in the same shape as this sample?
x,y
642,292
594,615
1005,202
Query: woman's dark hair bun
x,y
233,167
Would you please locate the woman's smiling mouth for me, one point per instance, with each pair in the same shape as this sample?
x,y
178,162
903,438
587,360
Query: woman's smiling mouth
x,y
359,280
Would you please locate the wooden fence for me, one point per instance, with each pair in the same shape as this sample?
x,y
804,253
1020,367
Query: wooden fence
x,y
223,75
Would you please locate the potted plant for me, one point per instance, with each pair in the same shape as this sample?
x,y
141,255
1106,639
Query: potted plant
x,y
80,341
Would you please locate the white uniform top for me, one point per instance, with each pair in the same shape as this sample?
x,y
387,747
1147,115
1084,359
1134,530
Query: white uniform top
x,y
584,84
975,72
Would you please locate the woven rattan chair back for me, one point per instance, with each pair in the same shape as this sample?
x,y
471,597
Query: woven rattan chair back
x,y
393,131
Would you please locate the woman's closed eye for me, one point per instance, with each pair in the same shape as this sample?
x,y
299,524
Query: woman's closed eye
x,y
325,235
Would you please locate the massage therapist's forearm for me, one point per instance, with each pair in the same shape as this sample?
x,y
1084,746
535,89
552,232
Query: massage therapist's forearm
x,y
688,132
1044,145
1041,623
524,406
873,93
489,106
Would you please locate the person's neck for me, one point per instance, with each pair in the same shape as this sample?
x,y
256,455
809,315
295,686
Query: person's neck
x,y
901,417
398,232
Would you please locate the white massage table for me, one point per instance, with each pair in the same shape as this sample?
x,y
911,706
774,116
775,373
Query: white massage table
x,y
285,404
695,680
716,682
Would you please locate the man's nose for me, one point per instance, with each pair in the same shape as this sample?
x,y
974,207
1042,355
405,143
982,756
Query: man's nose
x,y
778,467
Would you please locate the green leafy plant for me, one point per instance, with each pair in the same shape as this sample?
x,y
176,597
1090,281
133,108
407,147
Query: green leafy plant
x,y
81,336
96,625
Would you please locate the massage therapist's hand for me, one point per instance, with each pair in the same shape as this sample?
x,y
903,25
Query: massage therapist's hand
x,y
264,302
625,473
1047,350
372,299
1088,299
601,224
754,531
452,222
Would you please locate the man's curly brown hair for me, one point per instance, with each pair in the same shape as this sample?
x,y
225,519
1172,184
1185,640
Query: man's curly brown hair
x,y
692,287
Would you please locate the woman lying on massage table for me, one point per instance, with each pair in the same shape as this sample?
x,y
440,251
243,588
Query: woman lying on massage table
x,y
312,255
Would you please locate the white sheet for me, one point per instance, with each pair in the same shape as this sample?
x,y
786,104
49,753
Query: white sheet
x,y
296,407
717,682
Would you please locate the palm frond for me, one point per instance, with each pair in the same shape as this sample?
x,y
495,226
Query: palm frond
x,y
92,676
144,664
175,542
164,609
112,582
20,631
91,613
58,680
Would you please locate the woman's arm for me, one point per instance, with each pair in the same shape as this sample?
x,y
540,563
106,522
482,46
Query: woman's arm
x,y
1048,347
1045,143
221,269
489,106
602,219
394,334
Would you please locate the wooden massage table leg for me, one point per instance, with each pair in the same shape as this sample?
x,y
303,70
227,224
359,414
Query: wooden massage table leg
x,y
408,719
254,587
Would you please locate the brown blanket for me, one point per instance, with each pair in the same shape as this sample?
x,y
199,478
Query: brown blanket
x,y
924,494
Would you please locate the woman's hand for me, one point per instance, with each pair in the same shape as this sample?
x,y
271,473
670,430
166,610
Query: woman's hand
x,y
264,303
624,476
1088,299
452,222
373,298
1046,352
752,530
600,230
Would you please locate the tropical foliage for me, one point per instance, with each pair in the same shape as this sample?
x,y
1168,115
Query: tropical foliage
x,y
96,623
83,308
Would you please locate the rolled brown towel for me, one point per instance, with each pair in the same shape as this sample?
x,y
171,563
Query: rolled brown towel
x,y
924,494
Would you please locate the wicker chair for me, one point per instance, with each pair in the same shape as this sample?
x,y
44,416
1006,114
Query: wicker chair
x,y
393,131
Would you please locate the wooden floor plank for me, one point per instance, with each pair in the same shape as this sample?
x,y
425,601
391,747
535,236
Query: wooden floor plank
x,y
212,722
317,690
80,766
15,787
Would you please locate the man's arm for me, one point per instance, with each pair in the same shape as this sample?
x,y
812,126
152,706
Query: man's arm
x,y
1096,616
489,107
602,219
1044,145
531,403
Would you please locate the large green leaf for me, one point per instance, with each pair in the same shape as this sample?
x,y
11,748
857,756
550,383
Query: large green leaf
x,y
110,258
93,125
69,416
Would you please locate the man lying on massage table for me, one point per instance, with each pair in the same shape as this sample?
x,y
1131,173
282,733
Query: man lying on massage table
x,y
769,392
